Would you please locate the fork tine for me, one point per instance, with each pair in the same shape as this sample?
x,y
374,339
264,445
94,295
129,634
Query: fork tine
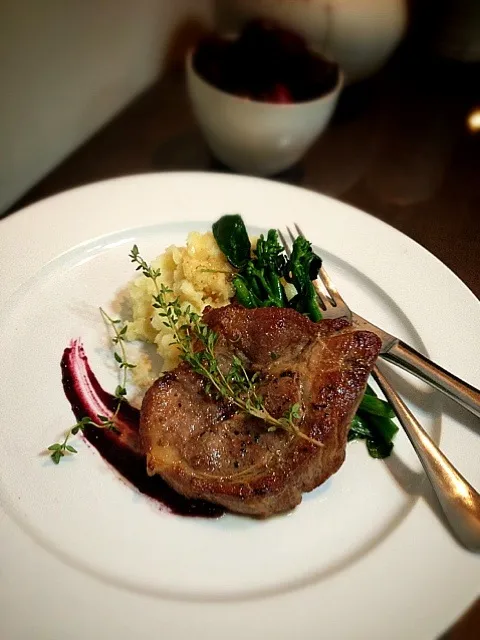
x,y
328,290
290,233
336,298
333,294
321,296
286,246
298,230
328,284
288,251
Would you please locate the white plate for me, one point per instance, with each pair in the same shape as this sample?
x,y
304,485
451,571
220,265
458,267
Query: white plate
x,y
83,555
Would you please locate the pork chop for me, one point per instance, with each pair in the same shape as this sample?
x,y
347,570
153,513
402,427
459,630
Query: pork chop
x,y
207,449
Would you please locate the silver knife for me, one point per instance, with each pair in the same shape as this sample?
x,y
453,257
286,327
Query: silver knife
x,y
395,351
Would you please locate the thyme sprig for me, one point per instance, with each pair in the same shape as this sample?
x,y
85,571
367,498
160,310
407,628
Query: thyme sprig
x,y
60,449
235,385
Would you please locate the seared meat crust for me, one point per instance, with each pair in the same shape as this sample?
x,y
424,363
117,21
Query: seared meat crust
x,y
206,449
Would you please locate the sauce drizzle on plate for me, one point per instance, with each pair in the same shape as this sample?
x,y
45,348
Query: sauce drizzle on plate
x,y
121,450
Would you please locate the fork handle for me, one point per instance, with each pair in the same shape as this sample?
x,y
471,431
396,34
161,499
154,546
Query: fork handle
x,y
410,360
458,499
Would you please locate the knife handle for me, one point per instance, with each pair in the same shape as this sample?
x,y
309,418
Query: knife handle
x,y
458,499
413,361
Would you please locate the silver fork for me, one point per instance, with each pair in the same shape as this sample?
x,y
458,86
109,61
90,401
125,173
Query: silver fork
x,y
458,499
401,354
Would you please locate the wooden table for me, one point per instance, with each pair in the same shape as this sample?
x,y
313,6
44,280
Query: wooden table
x,y
399,147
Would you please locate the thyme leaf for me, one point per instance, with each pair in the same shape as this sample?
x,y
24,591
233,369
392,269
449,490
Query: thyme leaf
x,y
235,385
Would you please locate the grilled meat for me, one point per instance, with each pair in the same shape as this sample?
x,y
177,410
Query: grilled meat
x,y
205,448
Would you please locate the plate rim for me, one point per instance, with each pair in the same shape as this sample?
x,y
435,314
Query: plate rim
x,y
15,223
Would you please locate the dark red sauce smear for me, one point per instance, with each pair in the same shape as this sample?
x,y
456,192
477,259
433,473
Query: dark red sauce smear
x,y
121,450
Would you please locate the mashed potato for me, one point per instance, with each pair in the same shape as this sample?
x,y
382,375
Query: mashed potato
x,y
198,274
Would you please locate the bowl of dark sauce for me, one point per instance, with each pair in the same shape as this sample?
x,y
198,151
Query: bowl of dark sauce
x,y
262,97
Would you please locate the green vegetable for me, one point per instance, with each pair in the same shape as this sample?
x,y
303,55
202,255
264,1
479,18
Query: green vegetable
x,y
374,425
375,406
359,429
245,296
262,275
232,238
379,448
383,427
378,433
300,270
259,281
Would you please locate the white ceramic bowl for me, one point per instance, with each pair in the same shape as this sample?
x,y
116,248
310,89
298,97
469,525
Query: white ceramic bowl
x,y
257,138
359,34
